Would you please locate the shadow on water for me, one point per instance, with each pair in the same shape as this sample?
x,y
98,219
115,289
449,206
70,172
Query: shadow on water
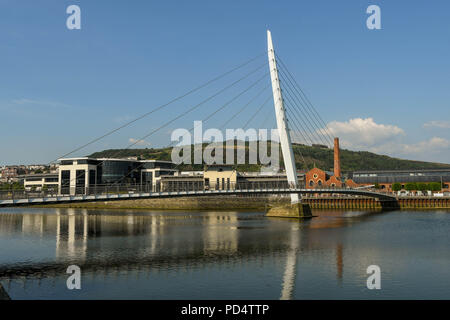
x,y
3,294
390,205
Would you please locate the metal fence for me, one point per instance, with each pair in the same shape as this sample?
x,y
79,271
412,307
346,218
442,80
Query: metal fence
x,y
140,188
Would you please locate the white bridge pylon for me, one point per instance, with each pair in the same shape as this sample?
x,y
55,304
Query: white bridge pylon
x,y
283,130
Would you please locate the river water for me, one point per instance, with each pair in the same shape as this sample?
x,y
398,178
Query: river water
x,y
223,255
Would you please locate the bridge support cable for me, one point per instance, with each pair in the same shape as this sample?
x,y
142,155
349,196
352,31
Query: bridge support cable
x,y
268,116
304,161
308,102
217,93
256,113
236,97
291,131
237,113
244,107
317,127
209,117
240,66
206,119
296,124
192,108
301,119
303,113
305,98
244,127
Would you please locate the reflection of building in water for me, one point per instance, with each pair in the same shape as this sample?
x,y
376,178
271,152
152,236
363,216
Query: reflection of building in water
x,y
71,234
33,223
102,242
339,260
220,233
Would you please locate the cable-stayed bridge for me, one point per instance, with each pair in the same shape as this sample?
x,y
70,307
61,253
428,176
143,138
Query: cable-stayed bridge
x,y
296,120
111,196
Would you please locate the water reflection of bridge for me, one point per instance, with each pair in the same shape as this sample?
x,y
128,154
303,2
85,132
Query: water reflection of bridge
x,y
141,244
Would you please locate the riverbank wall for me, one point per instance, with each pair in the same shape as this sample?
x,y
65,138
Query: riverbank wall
x,y
371,203
259,203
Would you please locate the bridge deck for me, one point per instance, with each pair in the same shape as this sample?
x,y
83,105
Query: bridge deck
x,y
150,195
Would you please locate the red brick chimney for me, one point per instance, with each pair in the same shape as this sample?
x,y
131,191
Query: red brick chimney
x,y
337,161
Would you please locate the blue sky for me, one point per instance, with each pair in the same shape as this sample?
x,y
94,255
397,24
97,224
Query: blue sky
x,y
385,90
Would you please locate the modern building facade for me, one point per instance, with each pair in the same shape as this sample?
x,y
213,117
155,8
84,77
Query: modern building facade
x,y
86,175
39,182
225,177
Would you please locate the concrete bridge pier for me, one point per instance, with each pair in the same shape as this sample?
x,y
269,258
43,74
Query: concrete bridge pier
x,y
290,210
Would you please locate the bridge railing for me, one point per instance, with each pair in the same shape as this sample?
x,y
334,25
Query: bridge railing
x,y
104,189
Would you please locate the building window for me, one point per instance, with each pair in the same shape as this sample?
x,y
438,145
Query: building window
x,y
333,184
80,180
311,183
315,175
92,179
319,182
65,178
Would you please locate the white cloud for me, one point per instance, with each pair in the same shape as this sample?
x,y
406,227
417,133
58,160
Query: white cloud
x,y
360,133
365,134
432,145
437,124
138,142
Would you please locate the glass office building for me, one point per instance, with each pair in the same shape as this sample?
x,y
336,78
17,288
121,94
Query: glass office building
x,y
82,175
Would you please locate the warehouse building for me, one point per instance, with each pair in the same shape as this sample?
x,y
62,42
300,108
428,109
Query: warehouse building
x,y
386,178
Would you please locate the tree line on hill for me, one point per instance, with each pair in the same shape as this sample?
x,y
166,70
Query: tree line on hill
x,y
419,186
306,158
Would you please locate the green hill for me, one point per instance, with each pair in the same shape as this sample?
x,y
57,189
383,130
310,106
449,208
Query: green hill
x,y
306,157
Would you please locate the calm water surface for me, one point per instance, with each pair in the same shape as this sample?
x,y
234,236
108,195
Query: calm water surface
x,y
223,255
